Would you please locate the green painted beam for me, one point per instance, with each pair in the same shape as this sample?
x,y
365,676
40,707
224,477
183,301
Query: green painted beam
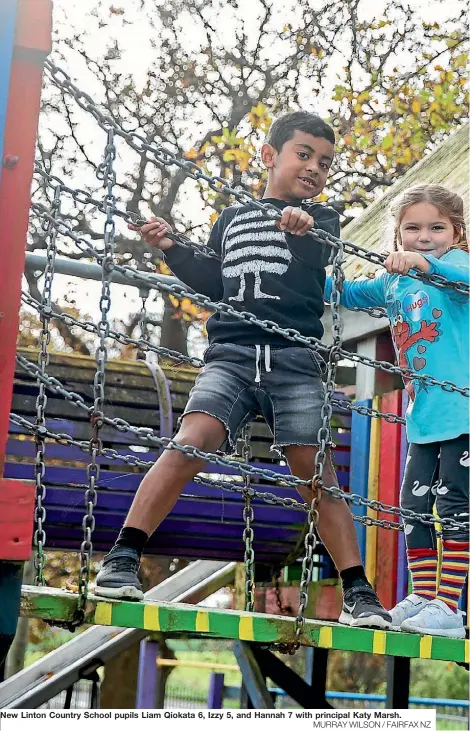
x,y
54,604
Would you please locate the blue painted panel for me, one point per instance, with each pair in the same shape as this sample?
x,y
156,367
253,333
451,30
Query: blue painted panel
x,y
69,508
26,448
7,33
114,436
131,480
359,468
11,575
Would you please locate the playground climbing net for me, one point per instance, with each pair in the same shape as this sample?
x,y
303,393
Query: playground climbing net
x,y
55,225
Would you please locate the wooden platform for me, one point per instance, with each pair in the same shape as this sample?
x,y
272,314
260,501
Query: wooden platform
x,y
185,619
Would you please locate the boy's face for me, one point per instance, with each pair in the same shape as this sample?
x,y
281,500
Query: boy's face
x,y
300,169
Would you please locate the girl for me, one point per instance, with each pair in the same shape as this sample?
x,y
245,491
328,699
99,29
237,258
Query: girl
x,y
430,331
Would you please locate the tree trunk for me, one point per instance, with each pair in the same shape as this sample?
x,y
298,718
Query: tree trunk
x,y
119,686
174,332
15,659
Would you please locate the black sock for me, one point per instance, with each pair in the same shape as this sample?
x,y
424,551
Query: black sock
x,y
132,538
353,575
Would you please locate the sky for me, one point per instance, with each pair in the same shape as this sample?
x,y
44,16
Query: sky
x,y
131,28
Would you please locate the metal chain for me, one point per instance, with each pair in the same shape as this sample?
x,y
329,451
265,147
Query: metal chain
x,y
324,439
283,609
82,196
107,174
147,435
145,345
248,517
41,400
122,338
162,156
267,497
143,322
268,325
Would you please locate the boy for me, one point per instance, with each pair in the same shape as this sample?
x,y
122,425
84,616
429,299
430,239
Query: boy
x,y
277,272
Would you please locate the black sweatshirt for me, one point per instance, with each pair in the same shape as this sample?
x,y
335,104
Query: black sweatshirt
x,y
275,275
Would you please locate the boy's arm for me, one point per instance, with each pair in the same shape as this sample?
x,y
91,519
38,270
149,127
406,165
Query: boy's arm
x,y
363,293
314,253
202,274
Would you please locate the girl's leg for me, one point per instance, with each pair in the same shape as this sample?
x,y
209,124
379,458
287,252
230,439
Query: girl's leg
x,y
417,494
441,616
452,502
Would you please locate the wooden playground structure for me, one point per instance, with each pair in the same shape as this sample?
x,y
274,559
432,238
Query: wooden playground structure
x,y
207,524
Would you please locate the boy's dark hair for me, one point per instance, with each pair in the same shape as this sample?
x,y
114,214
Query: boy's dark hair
x,y
284,128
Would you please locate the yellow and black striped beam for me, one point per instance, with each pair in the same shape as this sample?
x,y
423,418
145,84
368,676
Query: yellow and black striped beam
x,y
54,604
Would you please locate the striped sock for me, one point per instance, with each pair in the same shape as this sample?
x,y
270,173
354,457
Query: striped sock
x,y
422,563
454,570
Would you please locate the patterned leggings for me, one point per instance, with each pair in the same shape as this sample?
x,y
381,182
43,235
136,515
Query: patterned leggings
x,y
436,473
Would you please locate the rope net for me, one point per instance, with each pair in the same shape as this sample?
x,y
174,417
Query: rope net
x,y
55,226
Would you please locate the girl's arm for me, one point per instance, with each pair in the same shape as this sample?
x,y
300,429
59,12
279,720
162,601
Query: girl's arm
x,y
454,265
363,293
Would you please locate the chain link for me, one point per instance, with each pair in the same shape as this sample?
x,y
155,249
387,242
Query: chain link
x,y
324,439
41,400
122,338
106,173
143,323
82,196
248,517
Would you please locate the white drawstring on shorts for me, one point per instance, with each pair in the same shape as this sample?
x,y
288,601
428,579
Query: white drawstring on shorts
x,y
267,361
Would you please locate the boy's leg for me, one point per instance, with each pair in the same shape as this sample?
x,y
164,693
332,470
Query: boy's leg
x,y
335,527
361,606
156,496
165,481
219,402
291,395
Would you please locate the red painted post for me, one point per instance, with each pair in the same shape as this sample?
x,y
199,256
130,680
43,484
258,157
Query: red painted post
x,y
389,491
32,44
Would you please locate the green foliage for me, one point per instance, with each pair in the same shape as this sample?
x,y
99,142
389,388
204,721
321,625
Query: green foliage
x,y
438,679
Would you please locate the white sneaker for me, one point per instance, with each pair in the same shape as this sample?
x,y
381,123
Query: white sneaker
x,y
407,608
436,619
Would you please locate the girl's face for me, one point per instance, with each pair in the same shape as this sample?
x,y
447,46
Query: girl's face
x,y
425,230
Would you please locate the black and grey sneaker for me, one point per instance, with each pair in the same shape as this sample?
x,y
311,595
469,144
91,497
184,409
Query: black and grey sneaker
x,y
117,578
361,608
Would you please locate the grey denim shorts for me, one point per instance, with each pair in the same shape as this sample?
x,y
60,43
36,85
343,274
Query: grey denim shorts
x,y
283,385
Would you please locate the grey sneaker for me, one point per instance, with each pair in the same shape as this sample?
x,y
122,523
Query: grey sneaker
x,y
361,608
436,619
117,578
407,608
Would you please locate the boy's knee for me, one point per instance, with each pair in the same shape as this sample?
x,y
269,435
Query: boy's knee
x,y
201,431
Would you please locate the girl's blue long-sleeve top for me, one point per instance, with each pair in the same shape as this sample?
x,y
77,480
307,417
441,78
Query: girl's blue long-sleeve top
x,y
430,331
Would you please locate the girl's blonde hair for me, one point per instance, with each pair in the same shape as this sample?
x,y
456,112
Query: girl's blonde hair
x,y
448,204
